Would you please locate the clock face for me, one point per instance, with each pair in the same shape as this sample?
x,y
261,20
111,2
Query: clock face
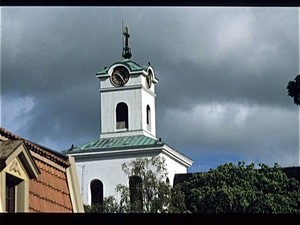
x,y
149,79
120,76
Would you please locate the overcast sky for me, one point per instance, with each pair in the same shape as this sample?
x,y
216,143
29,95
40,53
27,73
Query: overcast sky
x,y
222,73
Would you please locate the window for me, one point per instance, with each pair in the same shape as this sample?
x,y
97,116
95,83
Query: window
x,y
10,196
136,193
167,180
122,116
11,190
148,118
97,192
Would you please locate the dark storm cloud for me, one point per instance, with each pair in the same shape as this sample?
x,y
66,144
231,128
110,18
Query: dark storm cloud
x,y
222,73
47,48
66,118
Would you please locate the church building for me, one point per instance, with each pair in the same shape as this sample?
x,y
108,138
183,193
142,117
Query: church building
x,y
128,130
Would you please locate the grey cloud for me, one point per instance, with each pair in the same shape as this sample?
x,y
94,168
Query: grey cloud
x,y
201,56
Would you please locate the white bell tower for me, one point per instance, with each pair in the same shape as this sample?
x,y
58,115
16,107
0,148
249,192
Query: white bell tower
x,y
127,97
128,130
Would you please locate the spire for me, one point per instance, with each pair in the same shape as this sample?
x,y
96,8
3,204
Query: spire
x,y
126,50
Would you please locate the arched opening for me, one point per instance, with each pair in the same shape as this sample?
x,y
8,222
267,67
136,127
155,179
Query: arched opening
x,y
122,116
136,193
167,180
97,192
148,113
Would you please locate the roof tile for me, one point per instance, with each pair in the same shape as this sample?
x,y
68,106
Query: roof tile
x,y
50,191
50,154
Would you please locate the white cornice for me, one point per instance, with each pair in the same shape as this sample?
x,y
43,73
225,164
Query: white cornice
x,y
121,88
149,91
132,152
132,73
177,156
104,153
132,87
127,133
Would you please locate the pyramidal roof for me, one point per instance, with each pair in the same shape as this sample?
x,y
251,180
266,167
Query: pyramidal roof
x,y
116,142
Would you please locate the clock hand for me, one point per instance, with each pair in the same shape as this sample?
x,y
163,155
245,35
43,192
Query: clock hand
x,y
120,76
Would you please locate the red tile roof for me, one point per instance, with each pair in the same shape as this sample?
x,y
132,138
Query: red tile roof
x,y
41,150
50,192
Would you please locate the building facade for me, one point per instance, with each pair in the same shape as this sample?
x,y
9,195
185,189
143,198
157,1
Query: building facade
x,y
34,178
128,130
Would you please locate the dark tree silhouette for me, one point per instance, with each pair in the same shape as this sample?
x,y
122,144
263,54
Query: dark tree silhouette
x,y
294,89
242,189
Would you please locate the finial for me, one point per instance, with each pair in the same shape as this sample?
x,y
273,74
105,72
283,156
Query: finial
x,y
126,50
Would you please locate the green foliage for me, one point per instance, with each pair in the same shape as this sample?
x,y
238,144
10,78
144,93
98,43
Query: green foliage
x,y
242,189
152,194
148,191
228,189
294,89
109,205
177,204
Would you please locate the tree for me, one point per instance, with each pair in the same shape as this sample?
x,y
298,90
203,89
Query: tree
x,y
242,189
294,89
148,191
109,205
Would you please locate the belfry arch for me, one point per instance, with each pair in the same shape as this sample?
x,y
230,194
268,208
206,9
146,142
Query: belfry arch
x,y
122,116
148,115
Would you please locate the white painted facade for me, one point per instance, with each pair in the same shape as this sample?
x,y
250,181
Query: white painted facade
x,y
104,164
136,96
106,167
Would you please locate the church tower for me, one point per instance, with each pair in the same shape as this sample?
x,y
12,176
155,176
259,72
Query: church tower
x,y
128,130
127,97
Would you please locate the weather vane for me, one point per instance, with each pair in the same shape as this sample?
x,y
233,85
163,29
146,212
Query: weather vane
x,y
126,50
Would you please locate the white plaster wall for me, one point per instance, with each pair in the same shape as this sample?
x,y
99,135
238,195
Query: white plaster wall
x,y
173,168
148,99
109,101
109,172
135,94
136,100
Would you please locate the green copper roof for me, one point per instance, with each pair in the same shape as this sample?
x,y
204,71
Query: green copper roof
x,y
127,62
116,142
134,66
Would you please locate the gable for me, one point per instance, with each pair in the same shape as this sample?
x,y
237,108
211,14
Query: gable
x,y
16,159
48,183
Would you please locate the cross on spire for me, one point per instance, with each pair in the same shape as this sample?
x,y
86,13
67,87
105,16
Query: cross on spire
x,y
126,50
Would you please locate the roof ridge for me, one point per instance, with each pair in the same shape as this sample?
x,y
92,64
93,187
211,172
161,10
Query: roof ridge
x,y
39,149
